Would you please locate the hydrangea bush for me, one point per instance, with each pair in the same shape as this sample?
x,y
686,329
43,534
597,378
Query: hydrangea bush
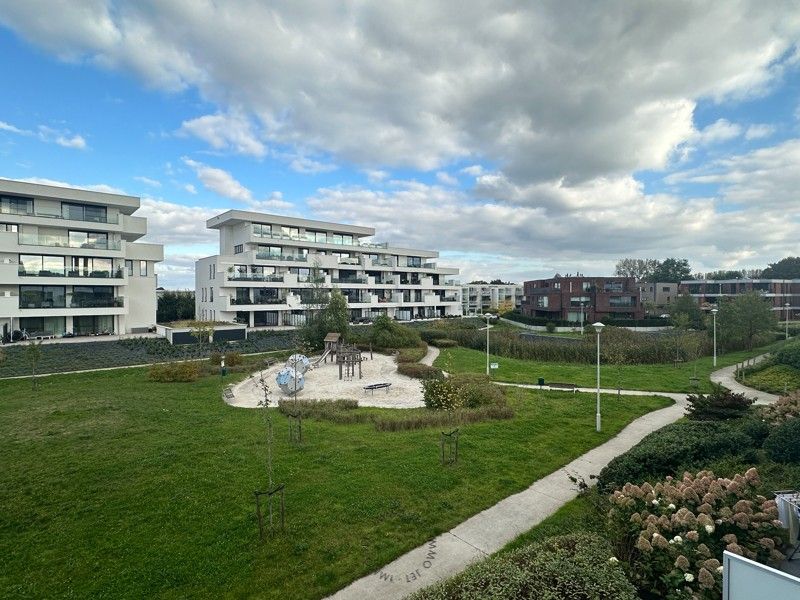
x,y
786,407
672,534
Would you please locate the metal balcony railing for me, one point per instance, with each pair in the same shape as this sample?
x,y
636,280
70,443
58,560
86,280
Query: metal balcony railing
x,y
65,272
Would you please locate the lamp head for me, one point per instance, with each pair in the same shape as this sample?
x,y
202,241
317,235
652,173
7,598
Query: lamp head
x,y
714,311
598,327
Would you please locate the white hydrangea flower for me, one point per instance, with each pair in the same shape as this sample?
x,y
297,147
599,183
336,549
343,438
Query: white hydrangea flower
x,y
689,577
719,569
654,502
613,560
671,506
677,539
709,529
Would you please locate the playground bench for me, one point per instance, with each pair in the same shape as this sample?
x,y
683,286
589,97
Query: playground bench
x,y
377,386
563,386
227,394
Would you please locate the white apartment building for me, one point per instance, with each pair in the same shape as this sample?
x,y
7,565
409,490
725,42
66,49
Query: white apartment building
x,y
271,269
479,298
68,263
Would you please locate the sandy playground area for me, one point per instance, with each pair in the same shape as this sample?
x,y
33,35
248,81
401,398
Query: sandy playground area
x,y
322,383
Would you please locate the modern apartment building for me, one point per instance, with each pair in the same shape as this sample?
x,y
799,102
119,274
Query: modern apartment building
x,y
565,298
272,269
68,263
479,298
660,295
778,292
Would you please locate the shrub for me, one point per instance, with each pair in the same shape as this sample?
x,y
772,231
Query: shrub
x,y
386,333
662,452
233,359
413,354
719,405
215,359
783,444
454,418
789,355
444,343
673,533
419,371
550,327
175,372
440,394
476,389
341,412
786,407
571,566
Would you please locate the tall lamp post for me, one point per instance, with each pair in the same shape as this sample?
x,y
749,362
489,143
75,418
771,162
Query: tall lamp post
x,y
787,305
598,327
581,317
714,315
487,316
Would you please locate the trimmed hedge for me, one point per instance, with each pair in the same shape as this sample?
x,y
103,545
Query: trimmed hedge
x,y
413,354
789,355
662,452
419,371
571,566
444,343
783,444
175,372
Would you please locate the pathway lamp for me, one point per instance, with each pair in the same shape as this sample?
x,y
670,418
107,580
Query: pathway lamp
x,y
598,328
714,315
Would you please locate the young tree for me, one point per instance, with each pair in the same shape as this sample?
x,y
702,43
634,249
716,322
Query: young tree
x,y
33,354
202,331
742,319
687,306
506,306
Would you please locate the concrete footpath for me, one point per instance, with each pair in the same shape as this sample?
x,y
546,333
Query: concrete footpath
x,y
490,530
726,378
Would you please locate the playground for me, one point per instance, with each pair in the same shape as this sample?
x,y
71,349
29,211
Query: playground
x,y
325,378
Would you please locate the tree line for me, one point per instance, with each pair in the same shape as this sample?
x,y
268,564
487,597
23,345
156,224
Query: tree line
x,y
675,270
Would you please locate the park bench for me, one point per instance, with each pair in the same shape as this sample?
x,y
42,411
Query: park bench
x,y
377,386
563,386
227,394
269,362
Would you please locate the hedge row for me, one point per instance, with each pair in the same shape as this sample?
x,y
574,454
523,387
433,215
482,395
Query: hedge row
x,y
543,321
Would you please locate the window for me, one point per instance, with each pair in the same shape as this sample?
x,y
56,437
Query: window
x,y
238,248
84,212
143,268
578,300
414,261
262,230
129,267
42,296
622,301
319,237
13,205
586,285
542,301
202,294
612,286
88,239
211,294
557,286
665,289
11,227
292,232
87,296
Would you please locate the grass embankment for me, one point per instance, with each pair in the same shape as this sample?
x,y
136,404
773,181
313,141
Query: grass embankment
x,y
115,486
659,377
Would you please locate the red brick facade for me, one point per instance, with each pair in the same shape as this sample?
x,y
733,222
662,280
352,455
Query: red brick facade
x,y
603,298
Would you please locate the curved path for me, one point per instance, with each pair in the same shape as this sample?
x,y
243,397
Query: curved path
x,y
490,530
726,378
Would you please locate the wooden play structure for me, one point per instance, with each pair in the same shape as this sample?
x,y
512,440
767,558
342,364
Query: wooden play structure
x,y
347,358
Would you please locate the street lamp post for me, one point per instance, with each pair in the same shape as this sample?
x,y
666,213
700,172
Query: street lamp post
x,y
487,316
714,315
598,327
581,317
787,319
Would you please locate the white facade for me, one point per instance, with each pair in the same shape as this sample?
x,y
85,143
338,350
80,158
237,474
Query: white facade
x,y
271,267
478,298
68,263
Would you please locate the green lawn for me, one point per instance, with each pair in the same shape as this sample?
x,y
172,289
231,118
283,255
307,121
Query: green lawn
x,y
114,486
660,377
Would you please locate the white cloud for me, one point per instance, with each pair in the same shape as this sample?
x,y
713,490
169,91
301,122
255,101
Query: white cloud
x,y
525,87
445,178
62,137
375,175
759,131
147,181
232,131
71,141
474,170
190,188
8,127
219,181
303,164
721,130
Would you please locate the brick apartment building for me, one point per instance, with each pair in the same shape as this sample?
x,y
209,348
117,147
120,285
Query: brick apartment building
x,y
603,298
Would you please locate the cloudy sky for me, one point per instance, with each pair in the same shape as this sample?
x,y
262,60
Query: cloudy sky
x,y
518,141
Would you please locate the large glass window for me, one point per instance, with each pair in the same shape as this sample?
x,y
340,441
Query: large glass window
x,y
88,239
262,230
622,301
414,261
42,296
9,227
293,232
41,266
93,325
143,268
14,205
43,325
92,296
129,267
84,212
317,236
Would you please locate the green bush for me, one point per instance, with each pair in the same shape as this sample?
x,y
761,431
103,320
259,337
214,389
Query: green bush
x,y
550,327
233,359
175,372
476,389
662,452
444,343
215,359
783,444
719,405
386,333
789,355
419,371
441,394
775,378
572,566
413,354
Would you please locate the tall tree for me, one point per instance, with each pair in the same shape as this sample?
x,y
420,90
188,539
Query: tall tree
x,y
720,275
672,270
743,319
786,268
687,310
640,268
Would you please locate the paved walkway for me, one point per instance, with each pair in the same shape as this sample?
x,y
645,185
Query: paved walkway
x,y
726,378
432,355
490,530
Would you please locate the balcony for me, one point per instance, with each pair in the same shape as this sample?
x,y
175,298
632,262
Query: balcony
x,y
32,239
352,280
381,263
113,220
282,257
98,302
114,274
313,239
255,277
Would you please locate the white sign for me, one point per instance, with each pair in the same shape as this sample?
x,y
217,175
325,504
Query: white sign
x,y
494,366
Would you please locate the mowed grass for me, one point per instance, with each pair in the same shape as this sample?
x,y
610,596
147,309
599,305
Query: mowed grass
x,y
112,486
657,378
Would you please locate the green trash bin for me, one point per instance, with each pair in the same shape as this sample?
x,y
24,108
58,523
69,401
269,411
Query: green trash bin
x,y
541,381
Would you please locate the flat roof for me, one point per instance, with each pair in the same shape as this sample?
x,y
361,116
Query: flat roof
x,y
690,281
244,216
128,204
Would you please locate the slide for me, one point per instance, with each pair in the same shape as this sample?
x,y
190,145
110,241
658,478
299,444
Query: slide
x,y
318,362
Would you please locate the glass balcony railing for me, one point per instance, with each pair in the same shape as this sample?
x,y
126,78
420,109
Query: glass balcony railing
x,y
254,277
348,280
109,219
314,240
83,302
284,257
53,241
62,272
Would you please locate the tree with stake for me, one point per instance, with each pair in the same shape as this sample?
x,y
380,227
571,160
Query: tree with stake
x,y
264,404
33,353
